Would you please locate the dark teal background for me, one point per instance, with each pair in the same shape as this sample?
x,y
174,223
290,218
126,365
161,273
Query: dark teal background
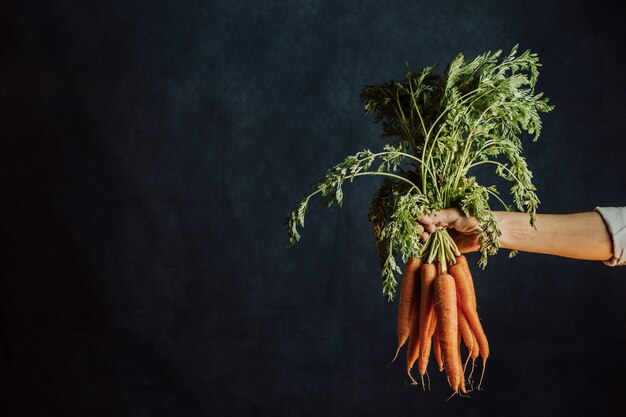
x,y
150,151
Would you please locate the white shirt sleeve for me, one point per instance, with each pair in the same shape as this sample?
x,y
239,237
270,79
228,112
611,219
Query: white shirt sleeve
x,y
615,220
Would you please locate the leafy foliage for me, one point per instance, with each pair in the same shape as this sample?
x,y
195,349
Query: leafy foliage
x,y
443,127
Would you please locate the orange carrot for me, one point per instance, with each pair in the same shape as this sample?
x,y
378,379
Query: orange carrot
x,y
476,350
437,351
462,262
412,353
464,329
466,334
446,306
474,354
461,368
413,347
407,297
484,355
432,326
465,288
427,310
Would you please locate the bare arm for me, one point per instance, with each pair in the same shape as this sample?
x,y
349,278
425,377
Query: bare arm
x,y
579,235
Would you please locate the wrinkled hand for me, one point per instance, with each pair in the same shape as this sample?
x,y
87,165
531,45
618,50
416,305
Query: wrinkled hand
x,y
464,230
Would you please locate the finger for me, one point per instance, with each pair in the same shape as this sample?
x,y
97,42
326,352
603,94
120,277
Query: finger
x,y
448,216
429,222
427,218
434,220
425,236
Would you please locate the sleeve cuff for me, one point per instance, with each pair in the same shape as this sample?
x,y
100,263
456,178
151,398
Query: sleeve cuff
x,y
615,220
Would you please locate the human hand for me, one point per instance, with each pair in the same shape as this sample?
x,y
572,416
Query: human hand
x,y
464,230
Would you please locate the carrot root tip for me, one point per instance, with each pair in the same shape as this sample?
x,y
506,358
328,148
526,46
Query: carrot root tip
x,y
453,394
466,362
395,357
472,371
482,375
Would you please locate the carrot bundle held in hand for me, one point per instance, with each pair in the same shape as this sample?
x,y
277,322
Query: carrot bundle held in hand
x,y
443,127
440,321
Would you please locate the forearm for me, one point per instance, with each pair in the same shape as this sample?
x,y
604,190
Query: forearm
x,y
579,236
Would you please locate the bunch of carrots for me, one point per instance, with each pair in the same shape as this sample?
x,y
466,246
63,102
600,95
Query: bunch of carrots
x,y
437,309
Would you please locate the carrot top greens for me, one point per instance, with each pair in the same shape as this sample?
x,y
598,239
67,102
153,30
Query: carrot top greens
x,y
441,129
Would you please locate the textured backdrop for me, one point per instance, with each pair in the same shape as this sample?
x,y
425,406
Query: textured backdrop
x,y
150,151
